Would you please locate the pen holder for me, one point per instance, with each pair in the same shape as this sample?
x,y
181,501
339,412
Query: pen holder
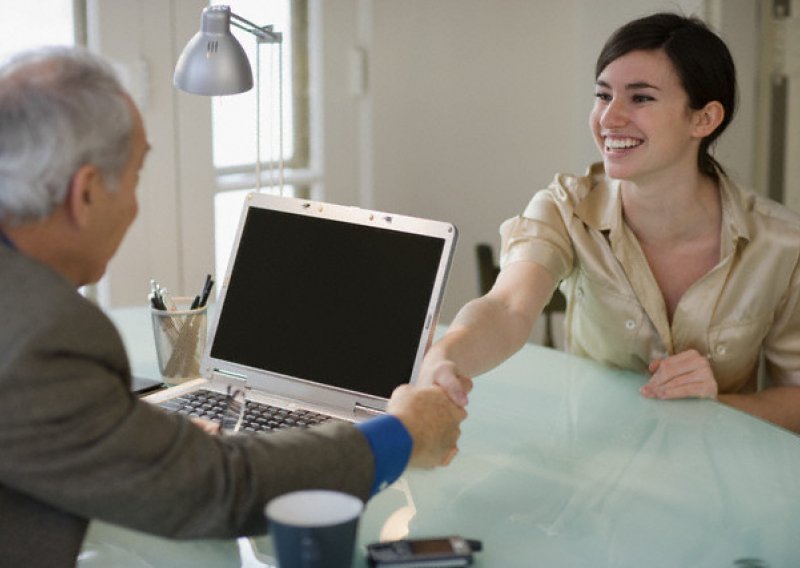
x,y
180,337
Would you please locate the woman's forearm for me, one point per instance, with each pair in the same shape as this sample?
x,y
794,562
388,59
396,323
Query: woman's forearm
x,y
779,405
489,329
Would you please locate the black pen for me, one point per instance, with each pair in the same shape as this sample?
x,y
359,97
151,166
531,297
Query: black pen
x,y
206,290
200,300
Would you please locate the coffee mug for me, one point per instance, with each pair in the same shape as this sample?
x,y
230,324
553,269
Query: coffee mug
x,y
314,528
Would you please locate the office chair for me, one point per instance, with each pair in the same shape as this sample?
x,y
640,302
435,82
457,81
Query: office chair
x,y
487,274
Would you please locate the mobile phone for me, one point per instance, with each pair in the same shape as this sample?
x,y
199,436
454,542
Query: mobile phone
x,y
434,552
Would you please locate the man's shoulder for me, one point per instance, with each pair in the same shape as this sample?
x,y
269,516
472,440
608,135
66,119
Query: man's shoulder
x,y
35,299
27,285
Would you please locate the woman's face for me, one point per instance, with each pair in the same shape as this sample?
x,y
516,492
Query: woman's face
x,y
641,120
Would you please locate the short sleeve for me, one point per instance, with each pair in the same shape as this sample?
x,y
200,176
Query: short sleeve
x,y
539,235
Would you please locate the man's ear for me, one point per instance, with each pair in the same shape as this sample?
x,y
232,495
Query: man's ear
x,y
708,118
81,192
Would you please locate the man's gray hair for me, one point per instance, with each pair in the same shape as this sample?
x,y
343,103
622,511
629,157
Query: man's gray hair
x,y
60,108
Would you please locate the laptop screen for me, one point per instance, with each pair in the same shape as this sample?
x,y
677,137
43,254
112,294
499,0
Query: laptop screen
x,y
338,303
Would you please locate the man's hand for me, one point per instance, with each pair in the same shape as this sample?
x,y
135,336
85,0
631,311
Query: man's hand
x,y
432,420
206,426
685,375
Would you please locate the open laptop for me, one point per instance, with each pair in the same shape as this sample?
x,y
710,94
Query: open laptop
x,y
324,307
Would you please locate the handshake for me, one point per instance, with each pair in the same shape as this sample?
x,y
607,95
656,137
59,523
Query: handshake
x,y
432,411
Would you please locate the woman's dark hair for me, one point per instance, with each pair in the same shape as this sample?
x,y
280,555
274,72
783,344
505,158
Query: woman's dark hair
x,y
701,59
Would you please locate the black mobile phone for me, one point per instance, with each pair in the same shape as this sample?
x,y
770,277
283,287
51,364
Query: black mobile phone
x,y
445,551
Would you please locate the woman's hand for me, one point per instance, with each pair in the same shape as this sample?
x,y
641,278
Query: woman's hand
x,y
685,375
443,373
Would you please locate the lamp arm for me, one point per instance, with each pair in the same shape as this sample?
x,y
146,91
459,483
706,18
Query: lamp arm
x,y
263,33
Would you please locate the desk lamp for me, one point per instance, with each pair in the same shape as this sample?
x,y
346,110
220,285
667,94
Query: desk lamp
x,y
214,63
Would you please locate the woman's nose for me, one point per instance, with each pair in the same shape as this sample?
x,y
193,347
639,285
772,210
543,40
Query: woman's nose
x,y
614,115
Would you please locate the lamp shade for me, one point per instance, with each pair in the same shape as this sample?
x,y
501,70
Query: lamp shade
x,y
213,62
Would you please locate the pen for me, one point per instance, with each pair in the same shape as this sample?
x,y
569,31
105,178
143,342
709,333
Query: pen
x,y
209,283
155,296
167,300
201,299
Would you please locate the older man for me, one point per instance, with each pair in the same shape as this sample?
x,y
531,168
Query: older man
x,y
74,444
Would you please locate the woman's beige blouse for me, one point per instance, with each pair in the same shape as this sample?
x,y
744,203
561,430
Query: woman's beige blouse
x,y
615,311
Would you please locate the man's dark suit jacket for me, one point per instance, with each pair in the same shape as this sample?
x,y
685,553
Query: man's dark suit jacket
x,y
76,445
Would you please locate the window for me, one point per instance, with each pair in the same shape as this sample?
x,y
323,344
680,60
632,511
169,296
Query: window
x,y
32,24
234,119
234,116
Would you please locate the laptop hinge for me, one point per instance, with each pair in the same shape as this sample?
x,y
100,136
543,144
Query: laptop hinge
x,y
362,409
231,375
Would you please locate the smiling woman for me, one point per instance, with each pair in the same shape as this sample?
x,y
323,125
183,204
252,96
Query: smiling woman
x,y
655,248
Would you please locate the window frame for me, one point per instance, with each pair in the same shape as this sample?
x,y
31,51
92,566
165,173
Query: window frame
x,y
297,169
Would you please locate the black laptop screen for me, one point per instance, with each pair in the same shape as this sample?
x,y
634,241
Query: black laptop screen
x,y
332,302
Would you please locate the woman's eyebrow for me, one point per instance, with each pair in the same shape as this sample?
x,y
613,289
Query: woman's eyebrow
x,y
629,86
640,85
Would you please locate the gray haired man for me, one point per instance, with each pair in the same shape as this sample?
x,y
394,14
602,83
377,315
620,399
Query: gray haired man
x,y
75,444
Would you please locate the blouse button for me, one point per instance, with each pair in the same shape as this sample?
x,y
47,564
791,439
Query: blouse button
x,y
580,292
630,325
721,350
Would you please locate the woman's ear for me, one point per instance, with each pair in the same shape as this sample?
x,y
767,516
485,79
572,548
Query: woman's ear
x,y
708,118
80,193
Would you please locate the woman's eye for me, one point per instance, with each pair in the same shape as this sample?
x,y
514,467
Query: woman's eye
x,y
642,98
605,97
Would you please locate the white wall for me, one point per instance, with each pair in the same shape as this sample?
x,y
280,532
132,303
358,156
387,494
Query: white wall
x,y
472,105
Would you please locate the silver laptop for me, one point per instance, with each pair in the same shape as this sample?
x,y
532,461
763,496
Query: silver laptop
x,y
324,307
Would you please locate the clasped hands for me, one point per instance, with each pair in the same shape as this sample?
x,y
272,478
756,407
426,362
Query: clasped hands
x,y
435,443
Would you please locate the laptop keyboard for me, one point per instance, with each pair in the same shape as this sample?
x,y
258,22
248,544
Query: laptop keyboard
x,y
258,417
